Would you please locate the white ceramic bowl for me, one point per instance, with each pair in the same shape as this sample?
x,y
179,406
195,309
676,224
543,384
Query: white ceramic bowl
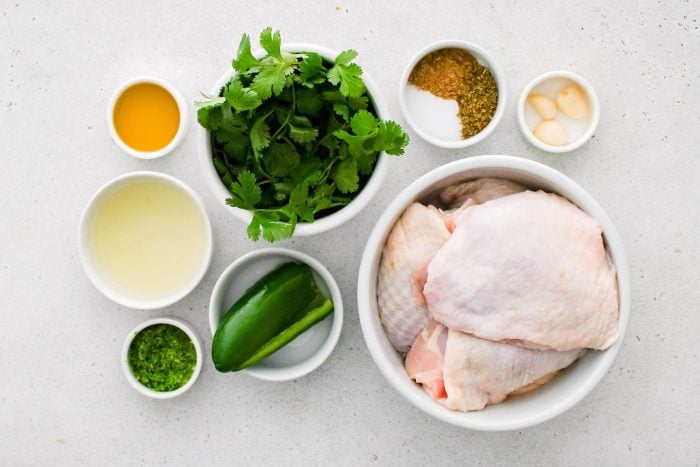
x,y
309,350
96,276
517,412
435,119
146,391
323,224
181,129
580,130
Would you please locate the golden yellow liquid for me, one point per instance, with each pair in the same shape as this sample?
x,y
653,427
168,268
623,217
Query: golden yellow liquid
x,y
146,117
148,238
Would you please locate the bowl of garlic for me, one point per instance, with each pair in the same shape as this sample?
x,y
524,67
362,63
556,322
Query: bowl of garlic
x,y
558,111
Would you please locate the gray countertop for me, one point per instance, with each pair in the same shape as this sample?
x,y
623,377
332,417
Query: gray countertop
x,y
64,399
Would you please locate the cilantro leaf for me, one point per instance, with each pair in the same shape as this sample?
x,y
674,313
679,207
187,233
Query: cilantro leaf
x,y
280,159
273,227
245,192
346,177
302,135
232,120
253,230
333,96
241,98
355,144
298,195
209,101
308,101
223,170
391,138
363,123
345,57
209,117
348,76
260,134
310,69
309,170
342,110
231,132
358,102
321,198
269,80
298,203
235,144
245,62
365,162
271,42
301,131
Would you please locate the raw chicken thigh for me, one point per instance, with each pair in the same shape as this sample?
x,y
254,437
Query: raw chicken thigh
x,y
529,269
463,372
424,360
479,191
415,238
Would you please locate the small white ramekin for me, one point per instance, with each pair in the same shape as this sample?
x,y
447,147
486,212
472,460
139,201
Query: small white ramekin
x,y
309,350
592,100
302,229
482,57
92,271
181,129
146,391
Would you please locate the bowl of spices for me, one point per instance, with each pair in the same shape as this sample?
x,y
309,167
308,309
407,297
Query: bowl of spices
x,y
558,111
162,357
452,94
147,117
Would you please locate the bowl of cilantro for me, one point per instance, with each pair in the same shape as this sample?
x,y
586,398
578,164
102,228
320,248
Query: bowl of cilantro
x,y
295,138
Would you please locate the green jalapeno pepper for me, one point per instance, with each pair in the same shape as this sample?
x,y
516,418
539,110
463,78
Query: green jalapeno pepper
x,y
271,313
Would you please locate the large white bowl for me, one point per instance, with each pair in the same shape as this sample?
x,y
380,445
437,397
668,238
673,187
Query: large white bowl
x,y
518,412
322,224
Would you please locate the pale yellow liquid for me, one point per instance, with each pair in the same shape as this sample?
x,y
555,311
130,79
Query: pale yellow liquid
x,y
148,238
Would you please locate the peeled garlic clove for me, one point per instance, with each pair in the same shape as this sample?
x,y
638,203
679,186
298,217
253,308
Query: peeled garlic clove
x,y
551,132
572,102
543,105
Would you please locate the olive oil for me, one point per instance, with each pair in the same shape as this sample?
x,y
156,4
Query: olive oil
x,y
148,238
146,117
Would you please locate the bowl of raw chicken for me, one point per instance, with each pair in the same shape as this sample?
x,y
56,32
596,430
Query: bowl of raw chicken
x,y
494,293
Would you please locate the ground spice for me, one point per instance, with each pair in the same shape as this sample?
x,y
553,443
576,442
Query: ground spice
x,y
477,101
453,73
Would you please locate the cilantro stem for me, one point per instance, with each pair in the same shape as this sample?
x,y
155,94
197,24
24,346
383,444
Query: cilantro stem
x,y
327,170
258,168
287,140
289,116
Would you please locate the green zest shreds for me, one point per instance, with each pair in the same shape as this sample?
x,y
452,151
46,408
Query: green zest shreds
x,y
162,357
294,138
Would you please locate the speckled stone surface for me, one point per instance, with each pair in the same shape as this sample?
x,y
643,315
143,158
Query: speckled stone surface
x,y
63,397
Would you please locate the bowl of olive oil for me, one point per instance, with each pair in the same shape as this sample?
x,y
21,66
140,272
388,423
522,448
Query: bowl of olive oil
x,y
145,240
147,117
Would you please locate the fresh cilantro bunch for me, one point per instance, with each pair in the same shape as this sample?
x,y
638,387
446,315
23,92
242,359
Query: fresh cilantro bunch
x,y
294,137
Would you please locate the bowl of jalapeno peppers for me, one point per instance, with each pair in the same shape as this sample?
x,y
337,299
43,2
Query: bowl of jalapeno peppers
x,y
275,314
